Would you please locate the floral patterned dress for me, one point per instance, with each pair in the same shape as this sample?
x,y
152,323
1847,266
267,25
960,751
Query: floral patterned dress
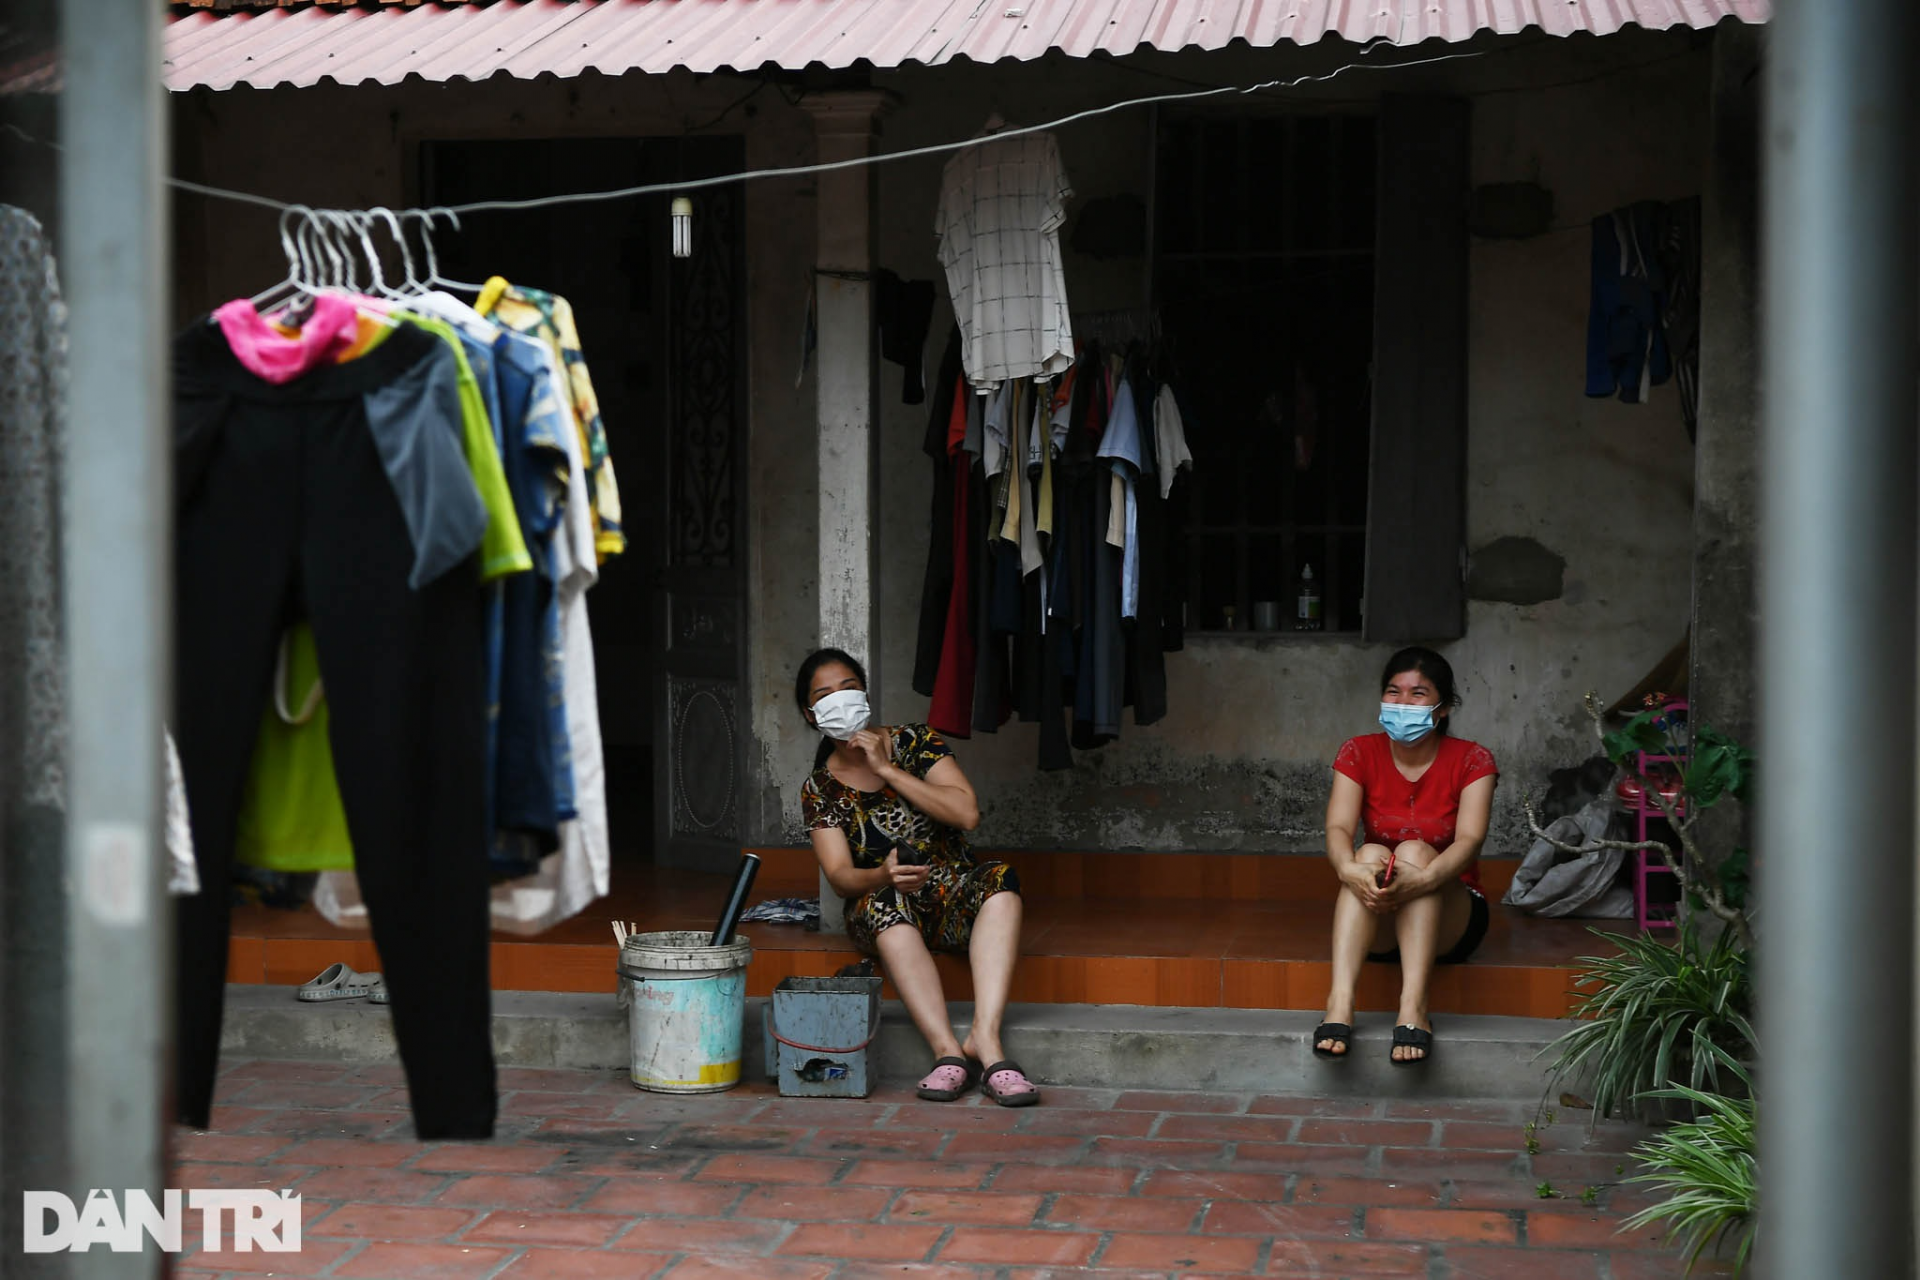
x,y
877,822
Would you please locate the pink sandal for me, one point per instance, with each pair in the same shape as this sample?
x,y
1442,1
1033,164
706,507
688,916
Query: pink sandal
x,y
950,1078
1008,1085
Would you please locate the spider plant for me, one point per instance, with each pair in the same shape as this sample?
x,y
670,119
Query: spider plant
x,y
1709,1168
1657,1014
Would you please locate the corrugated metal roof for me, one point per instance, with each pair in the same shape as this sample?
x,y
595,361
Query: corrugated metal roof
x,y
528,38
224,5
29,63
39,73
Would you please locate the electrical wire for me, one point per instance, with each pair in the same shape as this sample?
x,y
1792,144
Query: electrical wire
x,y
938,148
792,171
831,166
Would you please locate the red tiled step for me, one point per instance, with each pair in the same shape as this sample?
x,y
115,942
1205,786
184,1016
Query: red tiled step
x,y
1196,930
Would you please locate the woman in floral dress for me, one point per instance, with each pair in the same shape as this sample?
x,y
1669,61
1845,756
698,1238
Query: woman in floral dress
x,y
888,810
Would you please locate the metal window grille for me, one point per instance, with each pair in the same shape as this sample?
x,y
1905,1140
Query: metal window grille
x,y
1263,261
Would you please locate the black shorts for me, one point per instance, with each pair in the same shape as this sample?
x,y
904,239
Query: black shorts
x,y
1477,921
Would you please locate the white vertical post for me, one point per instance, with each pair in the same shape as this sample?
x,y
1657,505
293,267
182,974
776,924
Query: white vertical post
x,y
846,380
117,569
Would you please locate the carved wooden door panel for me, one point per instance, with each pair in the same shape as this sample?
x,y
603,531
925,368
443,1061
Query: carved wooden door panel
x,y
704,712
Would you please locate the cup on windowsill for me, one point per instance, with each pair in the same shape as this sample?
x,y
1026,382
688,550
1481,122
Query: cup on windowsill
x,y
1266,615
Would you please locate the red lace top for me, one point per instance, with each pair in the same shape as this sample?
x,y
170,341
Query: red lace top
x,y
1393,809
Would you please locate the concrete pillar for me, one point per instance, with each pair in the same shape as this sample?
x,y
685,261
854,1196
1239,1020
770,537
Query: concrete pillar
x,y
1724,679
845,123
1726,479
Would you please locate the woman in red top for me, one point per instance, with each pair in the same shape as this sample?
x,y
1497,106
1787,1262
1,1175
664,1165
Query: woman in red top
x,y
1409,806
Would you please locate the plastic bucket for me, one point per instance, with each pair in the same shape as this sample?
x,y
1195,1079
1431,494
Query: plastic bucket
x,y
686,1003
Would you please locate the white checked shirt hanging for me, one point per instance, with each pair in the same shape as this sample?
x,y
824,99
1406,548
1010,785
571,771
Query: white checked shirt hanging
x,y
1002,204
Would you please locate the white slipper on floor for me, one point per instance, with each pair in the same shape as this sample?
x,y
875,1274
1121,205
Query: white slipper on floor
x,y
338,982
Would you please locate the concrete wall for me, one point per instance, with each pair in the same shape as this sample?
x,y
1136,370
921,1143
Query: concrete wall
x,y
1605,486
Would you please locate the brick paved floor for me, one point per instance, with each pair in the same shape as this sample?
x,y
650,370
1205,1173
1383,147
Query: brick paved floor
x,y
591,1177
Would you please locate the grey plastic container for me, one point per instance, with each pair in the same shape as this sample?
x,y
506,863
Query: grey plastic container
x,y
820,1035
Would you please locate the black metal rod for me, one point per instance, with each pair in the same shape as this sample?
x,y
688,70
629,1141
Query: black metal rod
x,y
742,886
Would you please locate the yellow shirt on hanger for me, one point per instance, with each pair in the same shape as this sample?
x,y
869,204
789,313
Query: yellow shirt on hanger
x,y
549,317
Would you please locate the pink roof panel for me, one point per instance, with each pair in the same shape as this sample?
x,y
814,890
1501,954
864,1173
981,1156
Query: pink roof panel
x,y
529,38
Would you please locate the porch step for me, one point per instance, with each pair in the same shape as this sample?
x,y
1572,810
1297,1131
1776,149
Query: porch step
x,y
1100,1046
1216,931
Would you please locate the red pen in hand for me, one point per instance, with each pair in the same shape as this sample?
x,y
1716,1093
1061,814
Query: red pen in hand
x,y
1385,874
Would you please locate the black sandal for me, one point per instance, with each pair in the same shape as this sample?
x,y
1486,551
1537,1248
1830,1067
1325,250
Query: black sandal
x,y
1338,1032
1412,1037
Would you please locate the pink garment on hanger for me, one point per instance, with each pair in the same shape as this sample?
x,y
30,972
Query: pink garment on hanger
x,y
277,358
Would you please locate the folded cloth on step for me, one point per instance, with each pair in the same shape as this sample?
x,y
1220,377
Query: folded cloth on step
x,y
783,911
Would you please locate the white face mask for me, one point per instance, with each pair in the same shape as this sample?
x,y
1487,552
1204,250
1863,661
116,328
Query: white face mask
x,y
842,714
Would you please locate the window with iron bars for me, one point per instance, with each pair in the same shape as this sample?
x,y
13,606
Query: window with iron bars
x,y
1263,244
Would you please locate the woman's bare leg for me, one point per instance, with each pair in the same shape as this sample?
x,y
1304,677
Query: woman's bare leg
x,y
909,966
1425,927
1354,928
993,951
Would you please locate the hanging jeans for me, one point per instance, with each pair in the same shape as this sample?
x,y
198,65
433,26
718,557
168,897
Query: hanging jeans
x,y
285,510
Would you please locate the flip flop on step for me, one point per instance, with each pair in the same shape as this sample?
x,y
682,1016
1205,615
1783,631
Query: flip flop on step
x,y
1412,1037
1338,1032
949,1078
338,982
1008,1085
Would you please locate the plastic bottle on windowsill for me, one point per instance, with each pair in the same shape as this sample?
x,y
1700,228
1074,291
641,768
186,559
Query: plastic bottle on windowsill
x,y
1307,602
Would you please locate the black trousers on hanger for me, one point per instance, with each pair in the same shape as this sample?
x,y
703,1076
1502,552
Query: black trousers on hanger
x,y
284,509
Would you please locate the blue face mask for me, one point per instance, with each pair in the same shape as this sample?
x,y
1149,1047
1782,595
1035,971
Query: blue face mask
x,y
1405,722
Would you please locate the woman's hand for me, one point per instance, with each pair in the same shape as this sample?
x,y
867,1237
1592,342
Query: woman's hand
x,y
876,747
907,879
1408,883
1358,876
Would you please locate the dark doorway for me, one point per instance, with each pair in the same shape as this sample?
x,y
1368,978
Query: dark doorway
x,y
666,354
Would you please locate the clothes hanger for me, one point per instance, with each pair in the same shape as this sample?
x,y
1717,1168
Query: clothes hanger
x,y
363,223
411,286
434,277
379,292
328,264
296,262
317,251
339,235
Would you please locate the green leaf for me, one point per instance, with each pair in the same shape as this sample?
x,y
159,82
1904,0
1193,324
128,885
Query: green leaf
x,y
1737,762
1709,1167
1655,1011
1642,733
1718,768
